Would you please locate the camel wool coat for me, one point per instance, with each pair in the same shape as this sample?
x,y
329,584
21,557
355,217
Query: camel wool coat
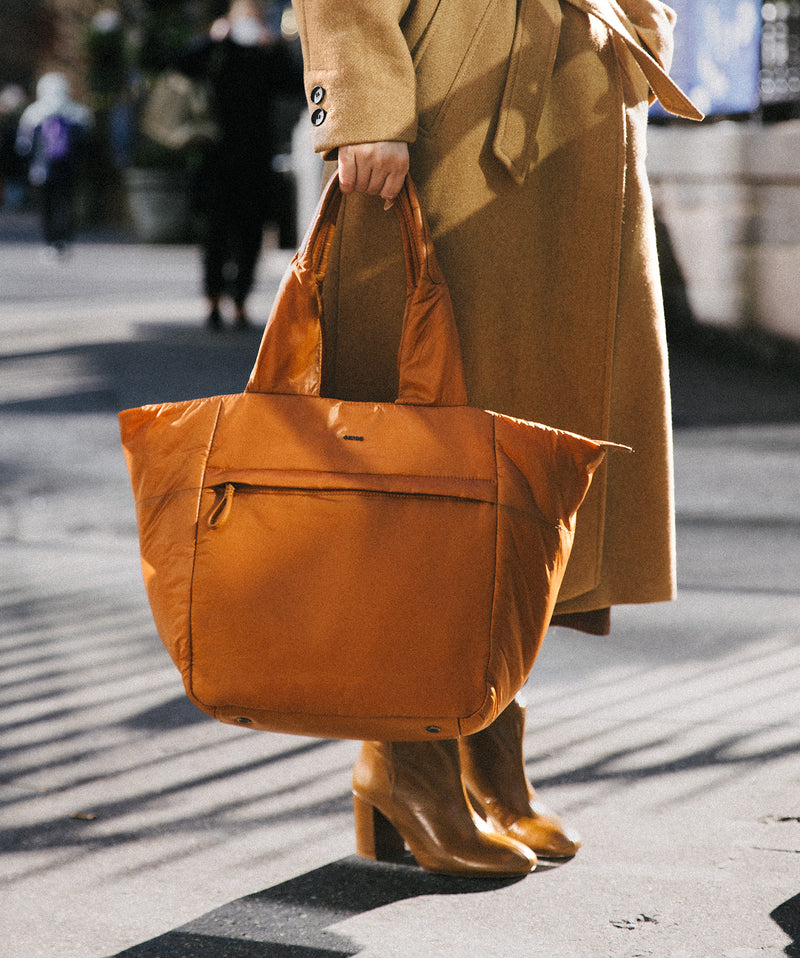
x,y
526,121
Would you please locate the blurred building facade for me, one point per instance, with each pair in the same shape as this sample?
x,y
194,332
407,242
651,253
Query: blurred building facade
x,y
727,192
41,35
111,51
739,57
733,56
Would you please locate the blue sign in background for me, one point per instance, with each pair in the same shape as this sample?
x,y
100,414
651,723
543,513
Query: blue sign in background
x,y
717,54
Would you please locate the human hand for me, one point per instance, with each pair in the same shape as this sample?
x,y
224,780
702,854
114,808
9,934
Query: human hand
x,y
375,168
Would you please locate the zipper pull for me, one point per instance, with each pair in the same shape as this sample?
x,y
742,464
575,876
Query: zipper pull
x,y
222,510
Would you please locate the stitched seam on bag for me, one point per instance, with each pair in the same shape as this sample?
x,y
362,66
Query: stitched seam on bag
x,y
463,720
353,476
536,516
490,657
368,493
327,490
247,489
323,472
346,717
194,555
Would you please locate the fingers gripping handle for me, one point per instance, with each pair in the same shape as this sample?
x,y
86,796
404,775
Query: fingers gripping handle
x,y
429,359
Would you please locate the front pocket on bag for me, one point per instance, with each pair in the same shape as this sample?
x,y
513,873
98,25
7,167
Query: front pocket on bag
x,y
302,600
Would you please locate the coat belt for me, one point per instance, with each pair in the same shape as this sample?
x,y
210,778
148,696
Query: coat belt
x,y
531,66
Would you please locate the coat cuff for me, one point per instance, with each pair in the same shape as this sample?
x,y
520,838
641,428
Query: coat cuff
x,y
359,77
346,109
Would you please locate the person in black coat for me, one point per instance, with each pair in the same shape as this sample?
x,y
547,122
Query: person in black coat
x,y
252,75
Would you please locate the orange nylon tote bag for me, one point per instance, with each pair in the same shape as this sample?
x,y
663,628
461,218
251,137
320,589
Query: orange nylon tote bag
x,y
348,569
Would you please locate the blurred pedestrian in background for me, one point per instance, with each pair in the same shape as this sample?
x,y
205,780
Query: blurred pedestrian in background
x,y
249,71
53,134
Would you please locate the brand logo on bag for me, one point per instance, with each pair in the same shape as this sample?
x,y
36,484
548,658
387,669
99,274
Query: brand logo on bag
x,y
354,438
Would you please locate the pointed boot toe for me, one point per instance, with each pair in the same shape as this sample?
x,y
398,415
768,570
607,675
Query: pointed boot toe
x,y
493,768
410,793
541,830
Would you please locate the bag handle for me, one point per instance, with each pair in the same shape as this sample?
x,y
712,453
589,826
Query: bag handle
x,y
429,359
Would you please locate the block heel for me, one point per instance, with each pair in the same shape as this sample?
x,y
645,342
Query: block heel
x,y
376,837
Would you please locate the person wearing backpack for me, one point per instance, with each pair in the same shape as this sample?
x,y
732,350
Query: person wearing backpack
x,y
53,133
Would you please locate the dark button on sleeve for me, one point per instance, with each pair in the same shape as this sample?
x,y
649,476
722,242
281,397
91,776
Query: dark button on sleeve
x,y
318,117
317,95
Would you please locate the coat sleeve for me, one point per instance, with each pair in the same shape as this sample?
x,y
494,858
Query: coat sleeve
x,y
358,75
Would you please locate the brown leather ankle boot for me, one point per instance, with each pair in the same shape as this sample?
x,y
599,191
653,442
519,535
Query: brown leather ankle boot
x,y
493,768
413,791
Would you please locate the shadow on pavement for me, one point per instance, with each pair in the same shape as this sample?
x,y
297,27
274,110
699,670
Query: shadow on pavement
x,y
163,363
178,712
292,920
625,767
714,382
787,917
722,375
